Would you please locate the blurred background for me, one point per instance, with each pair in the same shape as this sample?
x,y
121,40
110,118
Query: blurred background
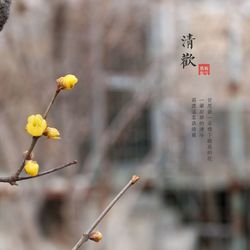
x,y
131,113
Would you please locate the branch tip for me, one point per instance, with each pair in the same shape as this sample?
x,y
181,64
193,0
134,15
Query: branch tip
x,y
134,179
85,237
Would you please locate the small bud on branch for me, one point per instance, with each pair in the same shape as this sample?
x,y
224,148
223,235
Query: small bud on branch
x,y
95,236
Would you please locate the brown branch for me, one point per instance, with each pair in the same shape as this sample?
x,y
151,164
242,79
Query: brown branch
x,y
15,177
51,102
48,171
85,236
12,179
32,145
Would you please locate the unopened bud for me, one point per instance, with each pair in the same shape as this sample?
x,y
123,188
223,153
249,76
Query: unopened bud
x,y
95,236
66,82
31,167
52,133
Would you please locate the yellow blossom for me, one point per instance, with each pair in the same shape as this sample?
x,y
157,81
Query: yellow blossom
x,y
36,125
31,167
52,133
67,82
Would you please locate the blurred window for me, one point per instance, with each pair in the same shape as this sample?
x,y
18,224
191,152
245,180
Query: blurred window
x,y
135,141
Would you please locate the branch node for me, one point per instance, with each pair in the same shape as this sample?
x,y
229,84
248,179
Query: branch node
x,y
13,183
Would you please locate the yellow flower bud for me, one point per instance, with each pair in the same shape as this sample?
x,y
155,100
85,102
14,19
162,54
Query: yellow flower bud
x,y
95,236
52,133
31,167
36,125
67,82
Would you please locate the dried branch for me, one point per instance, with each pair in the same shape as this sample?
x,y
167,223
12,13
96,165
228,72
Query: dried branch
x,y
86,236
51,102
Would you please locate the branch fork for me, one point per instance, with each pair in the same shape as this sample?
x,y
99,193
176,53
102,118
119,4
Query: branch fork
x,y
13,179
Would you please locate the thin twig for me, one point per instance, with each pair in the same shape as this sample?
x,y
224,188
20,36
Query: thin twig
x,y
85,236
51,102
48,171
12,179
32,145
